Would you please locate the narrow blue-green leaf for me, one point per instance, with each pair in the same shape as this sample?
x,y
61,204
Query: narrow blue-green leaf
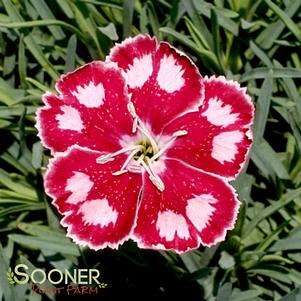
x,y
261,72
128,12
104,3
267,37
65,8
44,11
204,8
295,125
216,40
19,187
109,31
9,112
38,85
191,261
285,19
180,37
21,208
71,54
272,237
286,244
246,295
279,273
153,19
196,34
263,106
294,295
224,293
9,63
29,41
270,159
44,23
37,155
261,54
197,20
288,197
37,243
22,61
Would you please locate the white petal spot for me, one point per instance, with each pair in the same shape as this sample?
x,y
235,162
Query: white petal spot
x,y
98,212
80,185
90,95
170,223
140,71
219,114
170,75
224,146
70,119
199,210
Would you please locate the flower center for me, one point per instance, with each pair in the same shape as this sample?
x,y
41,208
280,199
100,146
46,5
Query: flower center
x,y
144,154
147,151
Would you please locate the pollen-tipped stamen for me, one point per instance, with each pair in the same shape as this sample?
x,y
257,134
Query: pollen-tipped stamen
x,y
127,161
110,156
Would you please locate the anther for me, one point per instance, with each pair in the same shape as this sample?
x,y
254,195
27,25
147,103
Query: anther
x,y
109,157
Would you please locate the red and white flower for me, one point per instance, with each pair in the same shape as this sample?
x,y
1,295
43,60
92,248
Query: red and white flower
x,y
144,148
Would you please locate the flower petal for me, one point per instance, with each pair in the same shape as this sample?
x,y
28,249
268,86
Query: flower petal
x,y
194,208
209,147
99,209
91,110
219,135
163,81
226,104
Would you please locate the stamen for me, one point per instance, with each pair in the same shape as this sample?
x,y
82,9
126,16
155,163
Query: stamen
x,y
149,137
133,113
119,172
175,135
153,177
180,133
132,110
127,161
135,124
109,157
134,168
138,124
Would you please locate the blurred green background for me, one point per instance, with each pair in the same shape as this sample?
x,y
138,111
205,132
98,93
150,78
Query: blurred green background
x,y
256,42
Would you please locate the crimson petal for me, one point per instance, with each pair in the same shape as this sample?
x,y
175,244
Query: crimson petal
x,y
163,82
99,208
194,208
90,111
226,104
219,136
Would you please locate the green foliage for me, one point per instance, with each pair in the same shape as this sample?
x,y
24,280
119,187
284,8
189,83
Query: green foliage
x,y
255,42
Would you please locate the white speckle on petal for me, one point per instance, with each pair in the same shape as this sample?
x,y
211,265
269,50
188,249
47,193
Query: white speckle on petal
x,y
90,95
140,71
170,223
219,114
224,146
80,185
199,210
98,212
170,75
70,119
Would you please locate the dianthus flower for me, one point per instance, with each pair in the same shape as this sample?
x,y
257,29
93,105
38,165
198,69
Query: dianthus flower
x,y
143,148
